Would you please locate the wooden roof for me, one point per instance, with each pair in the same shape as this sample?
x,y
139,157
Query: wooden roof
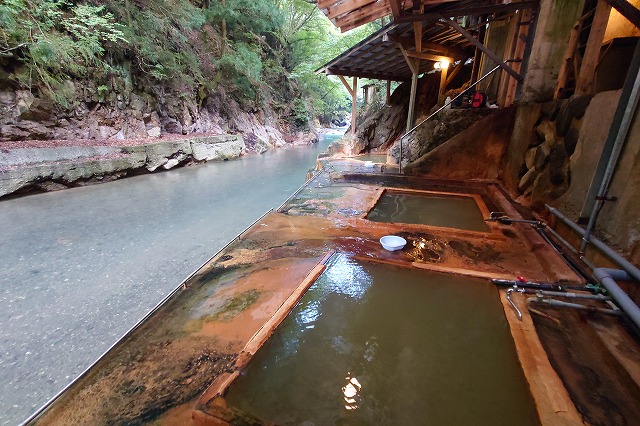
x,y
349,14
380,55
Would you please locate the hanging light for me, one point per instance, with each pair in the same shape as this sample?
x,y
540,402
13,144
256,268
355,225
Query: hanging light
x,y
441,65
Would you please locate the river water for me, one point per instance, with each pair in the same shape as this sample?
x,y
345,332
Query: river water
x,y
81,266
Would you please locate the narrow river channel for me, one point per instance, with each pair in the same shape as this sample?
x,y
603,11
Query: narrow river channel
x,y
81,266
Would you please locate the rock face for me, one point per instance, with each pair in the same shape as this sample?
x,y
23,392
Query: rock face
x,y
57,168
119,113
379,129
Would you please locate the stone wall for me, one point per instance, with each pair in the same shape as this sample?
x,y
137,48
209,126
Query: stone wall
x,y
46,169
554,150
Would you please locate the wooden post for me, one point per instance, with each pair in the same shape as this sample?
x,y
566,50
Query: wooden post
x,y
388,101
591,57
412,98
353,91
354,105
414,66
443,80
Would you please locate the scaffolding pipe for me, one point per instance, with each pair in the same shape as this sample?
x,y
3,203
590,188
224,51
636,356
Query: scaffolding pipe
x,y
630,268
607,277
616,139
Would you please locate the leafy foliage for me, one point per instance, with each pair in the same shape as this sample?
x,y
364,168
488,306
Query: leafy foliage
x,y
263,51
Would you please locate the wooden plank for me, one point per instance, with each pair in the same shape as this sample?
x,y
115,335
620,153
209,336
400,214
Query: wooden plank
x,y
364,12
482,47
627,10
364,20
591,56
346,7
323,4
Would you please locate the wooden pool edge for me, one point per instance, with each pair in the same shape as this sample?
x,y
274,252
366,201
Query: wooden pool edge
x,y
201,415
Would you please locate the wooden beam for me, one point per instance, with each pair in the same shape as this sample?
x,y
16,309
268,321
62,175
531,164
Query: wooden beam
x,y
627,10
388,100
346,85
482,47
430,57
365,74
450,51
468,11
584,83
567,62
346,7
412,101
354,105
443,81
417,35
414,64
395,8
524,27
454,71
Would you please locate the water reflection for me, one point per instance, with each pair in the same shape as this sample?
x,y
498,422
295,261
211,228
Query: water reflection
x,y
350,393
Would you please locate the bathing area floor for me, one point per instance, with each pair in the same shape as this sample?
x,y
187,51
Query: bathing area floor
x,y
176,367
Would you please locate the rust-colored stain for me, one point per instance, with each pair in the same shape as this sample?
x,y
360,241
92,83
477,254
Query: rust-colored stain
x,y
159,372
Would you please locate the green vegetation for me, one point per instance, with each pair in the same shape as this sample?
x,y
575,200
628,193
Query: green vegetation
x,y
264,52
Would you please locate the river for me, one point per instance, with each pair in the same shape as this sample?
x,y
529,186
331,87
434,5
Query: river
x,y
81,266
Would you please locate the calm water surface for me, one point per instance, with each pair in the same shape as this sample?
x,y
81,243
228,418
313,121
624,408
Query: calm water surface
x,y
79,267
380,345
447,211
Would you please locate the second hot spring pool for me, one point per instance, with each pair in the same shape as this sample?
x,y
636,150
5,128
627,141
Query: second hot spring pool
x,y
372,344
451,211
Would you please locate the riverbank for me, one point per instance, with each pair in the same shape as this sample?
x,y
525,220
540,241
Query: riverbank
x,y
42,166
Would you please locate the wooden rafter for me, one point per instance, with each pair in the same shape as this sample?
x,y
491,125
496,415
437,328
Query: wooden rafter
x,y
591,56
417,35
395,8
482,47
450,51
478,10
627,10
429,56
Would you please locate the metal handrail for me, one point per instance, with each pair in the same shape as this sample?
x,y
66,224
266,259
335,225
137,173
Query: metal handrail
x,y
413,129
137,325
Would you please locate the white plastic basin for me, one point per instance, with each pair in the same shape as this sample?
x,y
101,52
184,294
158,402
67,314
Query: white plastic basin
x,y
392,242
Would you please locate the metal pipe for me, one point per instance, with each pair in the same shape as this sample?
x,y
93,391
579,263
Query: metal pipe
x,y
618,132
630,268
513,305
561,304
607,278
600,297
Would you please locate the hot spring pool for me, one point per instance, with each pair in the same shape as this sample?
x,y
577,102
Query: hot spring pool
x,y
374,344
